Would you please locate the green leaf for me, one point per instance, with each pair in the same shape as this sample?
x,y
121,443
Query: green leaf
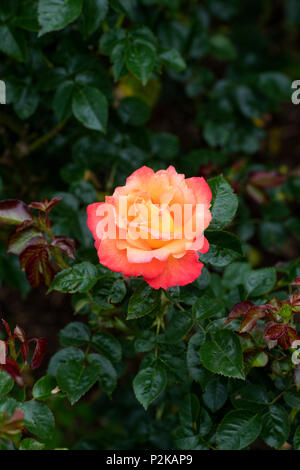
x,y
296,441
13,43
54,15
107,374
75,378
223,354
74,334
42,389
110,39
6,383
164,145
224,247
108,345
93,13
204,280
222,48
38,419
205,422
260,281
80,278
143,301
173,60
27,16
187,439
62,101
140,59
250,397
90,107
63,356
31,444
148,384
249,104
215,394
237,430
189,411
27,103
292,399
224,203
275,85
235,274
133,111
207,307
195,367
8,406
276,426
144,341
179,325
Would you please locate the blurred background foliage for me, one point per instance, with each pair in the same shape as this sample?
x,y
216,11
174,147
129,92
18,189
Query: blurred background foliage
x,y
99,88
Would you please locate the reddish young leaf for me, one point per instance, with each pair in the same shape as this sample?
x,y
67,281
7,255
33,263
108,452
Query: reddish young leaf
x,y
296,282
26,255
14,212
18,240
25,352
39,352
25,224
20,334
46,205
273,305
6,326
266,179
295,302
241,308
256,194
251,318
286,340
12,368
66,245
34,260
47,270
3,351
17,417
274,331
32,270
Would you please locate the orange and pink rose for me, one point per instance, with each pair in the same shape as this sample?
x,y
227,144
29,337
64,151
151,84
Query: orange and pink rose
x,y
153,227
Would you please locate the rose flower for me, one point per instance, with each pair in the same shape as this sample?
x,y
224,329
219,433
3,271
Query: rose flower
x,y
153,227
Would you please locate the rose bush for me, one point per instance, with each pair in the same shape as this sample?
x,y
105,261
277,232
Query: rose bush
x,y
181,329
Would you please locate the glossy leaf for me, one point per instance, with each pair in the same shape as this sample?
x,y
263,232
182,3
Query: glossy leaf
x,y
14,212
142,302
237,430
74,334
38,419
223,354
54,15
276,426
90,107
224,203
148,384
80,278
